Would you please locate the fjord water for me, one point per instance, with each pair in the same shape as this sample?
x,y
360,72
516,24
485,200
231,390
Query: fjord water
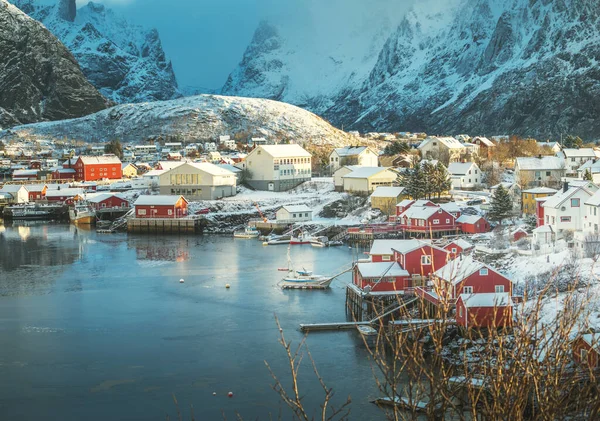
x,y
99,327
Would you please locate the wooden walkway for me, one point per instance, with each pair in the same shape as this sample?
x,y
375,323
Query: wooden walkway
x,y
331,326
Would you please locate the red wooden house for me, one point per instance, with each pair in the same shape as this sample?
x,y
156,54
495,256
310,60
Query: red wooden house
x,y
162,206
108,201
419,257
458,246
63,174
539,210
382,250
486,310
428,221
35,165
586,350
381,277
518,234
473,224
25,175
64,195
36,191
92,168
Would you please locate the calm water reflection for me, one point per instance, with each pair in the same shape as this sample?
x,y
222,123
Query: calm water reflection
x,y
98,327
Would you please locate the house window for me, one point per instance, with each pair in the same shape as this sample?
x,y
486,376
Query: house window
x,y
425,260
499,288
104,205
537,174
141,211
460,312
447,221
386,258
454,250
565,219
595,211
583,355
306,215
574,203
548,173
483,271
170,212
436,221
467,290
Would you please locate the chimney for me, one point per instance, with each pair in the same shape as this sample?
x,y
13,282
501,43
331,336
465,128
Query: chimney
x,y
565,186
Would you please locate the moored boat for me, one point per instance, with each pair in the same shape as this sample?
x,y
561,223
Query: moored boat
x,y
305,279
249,232
32,211
82,214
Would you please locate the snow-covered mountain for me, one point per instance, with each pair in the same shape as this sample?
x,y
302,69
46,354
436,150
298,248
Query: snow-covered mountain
x,y
526,67
125,62
197,118
39,78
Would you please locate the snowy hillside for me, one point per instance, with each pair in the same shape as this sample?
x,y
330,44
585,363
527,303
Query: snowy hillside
x,y
196,118
526,67
126,63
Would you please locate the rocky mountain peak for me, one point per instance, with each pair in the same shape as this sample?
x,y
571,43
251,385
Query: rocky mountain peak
x,y
67,10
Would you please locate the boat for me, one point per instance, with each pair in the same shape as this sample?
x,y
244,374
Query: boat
x,y
301,239
405,403
275,240
249,232
82,214
31,211
319,241
303,279
369,334
335,243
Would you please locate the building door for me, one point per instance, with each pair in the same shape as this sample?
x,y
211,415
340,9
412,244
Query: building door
x,y
271,187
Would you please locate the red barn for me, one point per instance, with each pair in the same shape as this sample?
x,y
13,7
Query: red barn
x,y
427,221
63,174
108,201
380,277
586,350
466,275
64,195
458,246
162,206
419,257
473,224
487,310
36,191
93,168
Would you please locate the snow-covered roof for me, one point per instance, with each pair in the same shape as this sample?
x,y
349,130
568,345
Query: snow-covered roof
x,y
284,151
406,246
579,153
449,142
11,188
487,299
540,163
540,190
65,170
592,339
457,270
126,164
103,196
211,169
384,247
594,200
559,198
543,229
154,173
468,219
104,159
229,167
377,270
460,168
404,203
35,187
350,150
364,172
463,244
420,212
296,208
484,140
383,191
450,207
157,200
169,165
20,173
71,192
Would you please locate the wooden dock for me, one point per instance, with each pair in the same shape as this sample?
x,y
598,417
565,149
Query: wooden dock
x,y
308,327
164,225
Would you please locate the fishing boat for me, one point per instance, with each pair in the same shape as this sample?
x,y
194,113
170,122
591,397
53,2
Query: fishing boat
x,y
31,211
82,214
303,279
277,239
369,334
301,239
319,241
249,232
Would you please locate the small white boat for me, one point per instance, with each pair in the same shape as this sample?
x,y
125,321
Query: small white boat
x,y
249,232
305,279
319,242
82,214
369,334
275,240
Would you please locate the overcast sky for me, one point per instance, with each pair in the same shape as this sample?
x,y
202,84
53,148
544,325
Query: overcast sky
x,y
205,39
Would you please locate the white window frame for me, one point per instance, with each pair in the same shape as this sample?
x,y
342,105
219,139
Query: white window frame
x,y
141,211
386,258
483,272
499,289
436,221
426,260
467,290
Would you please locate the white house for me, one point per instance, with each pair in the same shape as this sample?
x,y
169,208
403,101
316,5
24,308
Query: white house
x,y
210,147
565,211
294,213
353,155
15,193
278,167
539,171
552,146
575,158
227,142
364,180
465,175
438,147
198,181
593,168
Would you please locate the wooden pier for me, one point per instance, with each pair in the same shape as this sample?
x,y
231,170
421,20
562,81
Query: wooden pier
x,y
164,225
309,327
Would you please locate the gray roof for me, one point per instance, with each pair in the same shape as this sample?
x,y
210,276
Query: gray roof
x,y
157,200
539,164
350,150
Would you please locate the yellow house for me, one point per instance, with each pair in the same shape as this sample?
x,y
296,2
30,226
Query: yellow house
x,y
386,198
528,203
364,180
129,170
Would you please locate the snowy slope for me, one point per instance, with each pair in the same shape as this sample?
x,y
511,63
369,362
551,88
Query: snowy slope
x,y
198,118
123,61
526,67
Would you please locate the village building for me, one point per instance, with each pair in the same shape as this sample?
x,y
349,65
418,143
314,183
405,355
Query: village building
x,y
565,211
486,310
539,171
278,167
145,149
364,180
529,196
543,235
21,175
586,350
419,258
14,193
160,206
552,147
382,250
486,146
36,192
395,161
235,170
458,246
386,198
93,168
464,176
174,156
63,174
198,181
591,166
293,214
64,195
441,148
129,170
381,277
452,208
575,158
108,201
473,224
427,221
167,165
353,155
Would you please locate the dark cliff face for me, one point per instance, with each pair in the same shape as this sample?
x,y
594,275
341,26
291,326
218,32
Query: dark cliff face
x,y
39,79
124,62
